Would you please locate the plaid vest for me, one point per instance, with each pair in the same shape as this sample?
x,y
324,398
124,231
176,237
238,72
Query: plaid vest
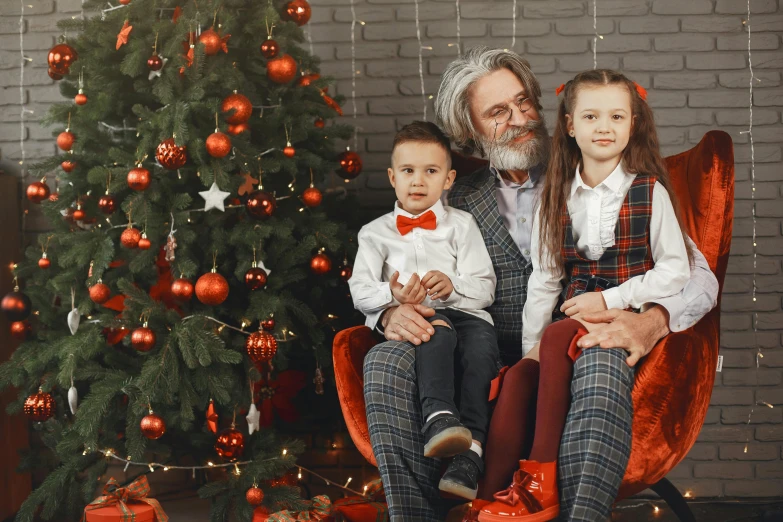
x,y
628,257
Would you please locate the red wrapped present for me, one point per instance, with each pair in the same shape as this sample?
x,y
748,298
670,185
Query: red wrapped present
x,y
368,508
320,511
128,504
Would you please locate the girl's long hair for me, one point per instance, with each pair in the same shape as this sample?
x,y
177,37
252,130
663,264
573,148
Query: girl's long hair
x,y
641,156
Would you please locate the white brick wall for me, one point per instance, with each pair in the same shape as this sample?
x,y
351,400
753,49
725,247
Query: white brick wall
x,y
691,55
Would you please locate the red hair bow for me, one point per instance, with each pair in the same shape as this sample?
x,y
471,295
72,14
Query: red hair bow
x,y
641,90
559,89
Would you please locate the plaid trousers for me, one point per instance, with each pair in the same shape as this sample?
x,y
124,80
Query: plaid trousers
x,y
594,450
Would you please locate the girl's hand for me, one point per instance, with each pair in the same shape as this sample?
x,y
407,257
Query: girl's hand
x,y
438,285
412,293
587,303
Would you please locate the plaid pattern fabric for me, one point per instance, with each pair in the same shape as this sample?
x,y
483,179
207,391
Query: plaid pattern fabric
x,y
137,491
628,257
596,443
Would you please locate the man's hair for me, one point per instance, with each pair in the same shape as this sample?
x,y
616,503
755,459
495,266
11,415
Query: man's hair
x,y
452,108
422,132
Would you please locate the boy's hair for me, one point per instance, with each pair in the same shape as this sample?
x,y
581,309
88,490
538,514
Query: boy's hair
x,y
422,132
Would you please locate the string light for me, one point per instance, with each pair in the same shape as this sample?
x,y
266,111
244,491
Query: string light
x,y
595,38
421,61
354,72
459,36
513,24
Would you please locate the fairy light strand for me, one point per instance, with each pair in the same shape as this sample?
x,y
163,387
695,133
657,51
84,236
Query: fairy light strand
x,y
353,76
421,61
595,37
459,34
513,24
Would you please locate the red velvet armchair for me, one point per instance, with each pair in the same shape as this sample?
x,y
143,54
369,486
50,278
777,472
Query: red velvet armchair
x,y
674,382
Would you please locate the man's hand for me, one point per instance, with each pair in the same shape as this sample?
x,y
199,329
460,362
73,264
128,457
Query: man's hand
x,y
635,333
438,285
412,293
407,323
587,303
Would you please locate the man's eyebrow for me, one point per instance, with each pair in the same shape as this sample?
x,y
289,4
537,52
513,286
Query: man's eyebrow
x,y
516,96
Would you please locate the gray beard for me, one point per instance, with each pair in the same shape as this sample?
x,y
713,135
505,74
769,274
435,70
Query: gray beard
x,y
504,154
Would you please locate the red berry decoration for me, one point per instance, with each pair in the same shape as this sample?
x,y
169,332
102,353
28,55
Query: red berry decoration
x,y
320,264
139,178
100,292
143,338
60,58
212,288
107,204
37,191
241,106
65,140
319,123
312,197
268,324
68,165
80,99
230,444
261,347
155,63
170,155
40,406
238,128
16,305
255,278
269,48
44,262
260,204
346,271
350,164
254,496
289,151
152,426
144,242
218,144
298,11
282,69
130,237
182,289
20,330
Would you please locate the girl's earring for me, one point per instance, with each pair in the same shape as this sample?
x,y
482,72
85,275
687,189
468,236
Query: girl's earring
x,y
571,134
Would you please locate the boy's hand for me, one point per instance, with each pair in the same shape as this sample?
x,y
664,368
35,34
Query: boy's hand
x,y
438,285
412,293
587,303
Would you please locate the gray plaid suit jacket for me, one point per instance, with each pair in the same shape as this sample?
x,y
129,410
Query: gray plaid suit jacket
x,y
476,194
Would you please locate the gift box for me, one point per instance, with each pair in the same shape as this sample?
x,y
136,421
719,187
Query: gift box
x,y
320,510
368,508
125,504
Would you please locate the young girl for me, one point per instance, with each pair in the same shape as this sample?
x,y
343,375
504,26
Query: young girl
x,y
608,236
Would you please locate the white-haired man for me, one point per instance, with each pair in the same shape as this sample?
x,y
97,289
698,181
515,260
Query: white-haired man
x,y
489,101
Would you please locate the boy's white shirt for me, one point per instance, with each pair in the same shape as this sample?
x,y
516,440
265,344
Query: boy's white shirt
x,y
455,247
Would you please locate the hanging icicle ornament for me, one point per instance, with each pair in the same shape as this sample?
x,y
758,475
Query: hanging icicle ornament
x,y
319,380
171,243
212,417
73,315
253,415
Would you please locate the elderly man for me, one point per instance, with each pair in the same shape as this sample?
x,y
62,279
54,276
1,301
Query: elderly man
x,y
489,101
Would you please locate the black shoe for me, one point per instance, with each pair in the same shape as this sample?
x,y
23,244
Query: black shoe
x,y
461,477
445,436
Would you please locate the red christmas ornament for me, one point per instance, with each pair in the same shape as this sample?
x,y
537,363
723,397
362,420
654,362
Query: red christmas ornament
x,y
139,178
44,262
100,292
152,426
306,79
255,278
282,69
144,242
143,339
78,214
218,144
319,123
269,48
320,264
212,288
254,496
20,330
261,204
65,140
346,271
212,417
312,197
268,324
261,347
54,75
230,444
241,106
182,289
107,204
40,406
37,191
16,305
332,103
289,151
68,165
155,63
238,128
212,42
130,237
170,155
80,99
350,164
125,2
60,58
298,11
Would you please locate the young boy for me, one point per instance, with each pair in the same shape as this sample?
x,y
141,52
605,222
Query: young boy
x,y
425,252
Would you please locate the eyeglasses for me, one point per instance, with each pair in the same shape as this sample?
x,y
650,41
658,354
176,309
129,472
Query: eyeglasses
x,y
501,115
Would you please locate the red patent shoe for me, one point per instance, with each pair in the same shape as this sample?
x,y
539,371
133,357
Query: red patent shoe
x,y
531,497
471,514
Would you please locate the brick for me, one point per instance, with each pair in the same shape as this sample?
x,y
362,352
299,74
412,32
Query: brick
x,y
715,61
768,98
649,24
584,26
575,64
666,99
739,80
412,87
11,25
723,470
428,11
624,44
11,96
766,23
32,8
523,29
366,87
31,77
701,488
751,377
684,42
716,99
763,154
756,6
726,397
769,470
681,81
560,9
713,415
484,11
410,49
333,33
754,488
677,7
557,45
620,8
770,395
652,63
681,471
32,42
396,106
9,60
755,452
729,322
324,15
712,24
370,14
703,452
769,209
395,69
742,117
767,172
682,117
69,6
389,32
671,136
740,42
770,321
766,134
368,51
767,60
761,415
743,340
33,150
769,433
743,190
339,69
468,28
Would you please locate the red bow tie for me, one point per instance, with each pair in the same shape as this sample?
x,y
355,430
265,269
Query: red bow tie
x,y
426,221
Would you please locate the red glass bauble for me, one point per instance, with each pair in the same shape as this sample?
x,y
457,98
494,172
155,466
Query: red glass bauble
x,y
155,63
130,237
143,339
107,204
139,178
212,289
44,262
125,2
282,69
350,164
16,306
319,123
182,289
289,151
40,406
20,330
238,128
152,426
241,106
346,271
61,57
261,347
54,75
269,48
320,264
268,324
312,197
261,204
68,165
37,191
254,496
212,42
299,11
170,155
100,293
78,214
144,243
80,99
218,145
255,278
65,140
230,444
306,79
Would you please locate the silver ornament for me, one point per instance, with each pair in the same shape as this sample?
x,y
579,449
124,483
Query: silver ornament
x,y
73,321
73,399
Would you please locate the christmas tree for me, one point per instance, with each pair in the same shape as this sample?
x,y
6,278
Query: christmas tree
x,y
192,255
